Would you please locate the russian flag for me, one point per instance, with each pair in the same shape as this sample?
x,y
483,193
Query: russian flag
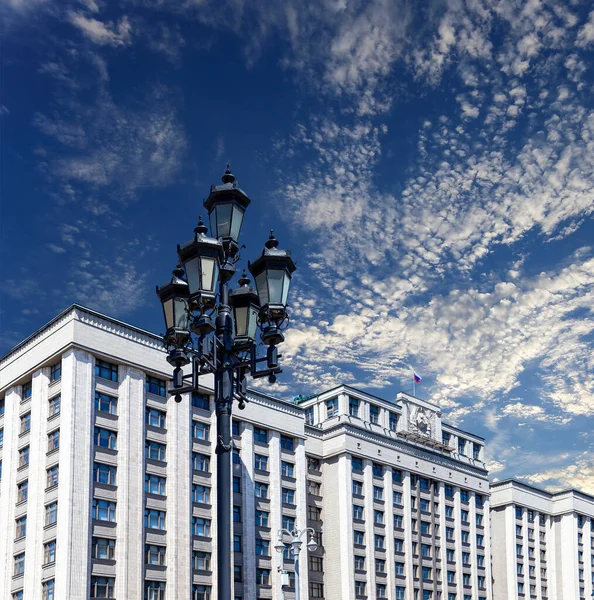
x,y
417,377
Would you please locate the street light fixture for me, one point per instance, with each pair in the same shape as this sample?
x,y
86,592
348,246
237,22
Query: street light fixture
x,y
295,545
214,329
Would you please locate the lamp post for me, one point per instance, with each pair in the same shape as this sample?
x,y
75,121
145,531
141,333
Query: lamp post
x,y
295,545
213,329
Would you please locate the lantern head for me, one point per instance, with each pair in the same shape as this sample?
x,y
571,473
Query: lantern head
x,y
272,273
226,206
246,307
202,258
174,298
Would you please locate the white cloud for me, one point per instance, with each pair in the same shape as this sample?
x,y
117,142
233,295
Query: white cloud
x,y
585,35
100,33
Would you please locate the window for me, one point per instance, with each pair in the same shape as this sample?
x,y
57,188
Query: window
x,y
155,418
464,495
398,545
358,537
353,407
262,576
464,516
288,523
53,440
396,498
1,406
427,573
237,573
331,407
1,436
479,520
378,470
479,540
103,549
359,563
425,528
104,474
426,550
47,590
105,438
287,443
106,370
104,510
153,484
49,552
316,563
260,489
22,491
201,526
154,519
357,488
518,549
380,565
449,533
373,413
21,527
155,386
25,423
288,496
260,435
478,500
449,511
105,403
200,493
51,513
400,591
262,518
235,427
236,484
313,464
154,451
314,513
154,590
465,537
480,560
262,547
24,456
461,445
359,588
237,514
378,493
54,405
260,462
154,555
449,491
316,590
202,401
200,462
17,595
357,512
397,521
519,512
19,564
235,456
425,505
287,469
450,556
465,558
236,543
27,390
200,431
378,517
309,415
56,372
476,451
356,463
201,561
379,542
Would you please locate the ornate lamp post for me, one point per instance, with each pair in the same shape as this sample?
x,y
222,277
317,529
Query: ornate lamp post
x,y
295,544
214,330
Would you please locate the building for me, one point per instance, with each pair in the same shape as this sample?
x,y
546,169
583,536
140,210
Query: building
x,y
107,485
404,500
542,542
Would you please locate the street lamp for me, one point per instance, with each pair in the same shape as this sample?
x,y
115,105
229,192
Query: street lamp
x,y
214,329
295,545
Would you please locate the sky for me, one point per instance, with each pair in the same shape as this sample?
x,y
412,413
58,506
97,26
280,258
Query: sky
x,y
429,164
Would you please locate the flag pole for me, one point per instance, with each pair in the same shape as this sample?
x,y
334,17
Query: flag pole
x,y
414,394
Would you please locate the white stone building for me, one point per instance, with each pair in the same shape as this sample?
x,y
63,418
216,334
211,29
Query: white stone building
x,y
108,486
542,542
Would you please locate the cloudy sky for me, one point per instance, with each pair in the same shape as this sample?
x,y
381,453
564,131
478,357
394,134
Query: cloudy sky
x,y
430,164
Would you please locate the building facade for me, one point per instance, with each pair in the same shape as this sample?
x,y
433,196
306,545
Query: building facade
x,y
108,486
542,542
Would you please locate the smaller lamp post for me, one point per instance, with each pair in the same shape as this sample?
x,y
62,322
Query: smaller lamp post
x,y
295,545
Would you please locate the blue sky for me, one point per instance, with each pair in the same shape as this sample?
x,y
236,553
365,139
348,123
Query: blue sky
x,y
431,166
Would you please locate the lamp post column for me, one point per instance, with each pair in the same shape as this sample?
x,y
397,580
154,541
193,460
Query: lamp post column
x,y
297,553
223,402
